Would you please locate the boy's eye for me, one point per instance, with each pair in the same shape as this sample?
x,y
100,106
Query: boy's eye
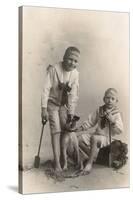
x,y
72,60
109,98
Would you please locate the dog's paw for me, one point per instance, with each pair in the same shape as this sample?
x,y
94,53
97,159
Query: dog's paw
x,y
78,166
65,167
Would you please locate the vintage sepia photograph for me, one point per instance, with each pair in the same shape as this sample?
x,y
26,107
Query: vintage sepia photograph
x,y
73,100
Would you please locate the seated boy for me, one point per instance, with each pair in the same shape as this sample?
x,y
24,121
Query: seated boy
x,y
104,117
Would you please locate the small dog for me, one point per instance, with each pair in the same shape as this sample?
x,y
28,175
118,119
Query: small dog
x,y
69,140
119,152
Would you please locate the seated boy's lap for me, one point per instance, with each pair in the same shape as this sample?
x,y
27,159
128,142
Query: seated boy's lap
x,y
85,146
101,140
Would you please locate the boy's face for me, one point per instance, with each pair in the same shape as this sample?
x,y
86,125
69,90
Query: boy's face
x,y
110,100
71,62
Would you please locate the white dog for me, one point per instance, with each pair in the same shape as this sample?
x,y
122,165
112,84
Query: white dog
x,y
69,140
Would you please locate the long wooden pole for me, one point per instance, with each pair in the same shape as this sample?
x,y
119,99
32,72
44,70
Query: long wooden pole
x,y
110,158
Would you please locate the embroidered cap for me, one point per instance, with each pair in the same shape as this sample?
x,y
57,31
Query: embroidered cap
x,y
112,91
71,51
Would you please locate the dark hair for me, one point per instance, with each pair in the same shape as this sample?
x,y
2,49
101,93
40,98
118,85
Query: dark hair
x,y
69,50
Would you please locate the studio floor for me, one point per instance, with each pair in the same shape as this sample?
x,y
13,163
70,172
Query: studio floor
x,y
101,177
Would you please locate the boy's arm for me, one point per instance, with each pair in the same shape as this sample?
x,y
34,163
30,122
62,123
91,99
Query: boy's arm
x,y
89,123
115,121
47,86
46,91
73,95
117,125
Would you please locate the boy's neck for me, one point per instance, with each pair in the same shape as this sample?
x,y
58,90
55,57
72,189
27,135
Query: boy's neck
x,y
65,68
106,108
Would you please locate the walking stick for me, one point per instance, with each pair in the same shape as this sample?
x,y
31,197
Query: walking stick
x,y
37,158
110,158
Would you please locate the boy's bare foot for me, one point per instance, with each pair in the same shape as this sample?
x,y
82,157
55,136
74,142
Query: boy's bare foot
x,y
83,173
58,169
65,167
88,167
81,166
86,170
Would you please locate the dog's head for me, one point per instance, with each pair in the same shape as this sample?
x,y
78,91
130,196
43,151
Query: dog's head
x,y
72,124
119,152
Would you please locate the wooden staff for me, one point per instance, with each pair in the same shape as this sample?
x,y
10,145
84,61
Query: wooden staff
x,y
110,158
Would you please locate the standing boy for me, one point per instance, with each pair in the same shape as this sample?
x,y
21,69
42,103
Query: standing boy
x,y
59,97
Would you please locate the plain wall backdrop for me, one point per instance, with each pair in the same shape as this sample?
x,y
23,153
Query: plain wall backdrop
x,y
103,39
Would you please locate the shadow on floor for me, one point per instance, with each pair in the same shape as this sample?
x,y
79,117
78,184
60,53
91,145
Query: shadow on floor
x,y
13,188
71,172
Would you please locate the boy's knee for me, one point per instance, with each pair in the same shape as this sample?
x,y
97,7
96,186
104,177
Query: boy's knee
x,y
80,139
96,141
93,138
64,139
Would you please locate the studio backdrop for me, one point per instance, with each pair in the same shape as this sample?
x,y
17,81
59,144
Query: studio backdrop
x,y
103,40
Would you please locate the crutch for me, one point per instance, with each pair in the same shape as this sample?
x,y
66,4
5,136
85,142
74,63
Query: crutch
x,y
37,158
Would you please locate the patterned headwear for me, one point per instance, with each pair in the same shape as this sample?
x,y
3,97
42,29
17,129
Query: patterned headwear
x,y
112,91
71,51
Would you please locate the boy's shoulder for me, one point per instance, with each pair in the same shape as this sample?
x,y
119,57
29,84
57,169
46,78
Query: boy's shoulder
x,y
50,67
54,67
75,73
58,69
103,111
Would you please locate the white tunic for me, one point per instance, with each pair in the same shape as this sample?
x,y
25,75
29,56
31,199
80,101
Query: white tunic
x,y
94,120
51,89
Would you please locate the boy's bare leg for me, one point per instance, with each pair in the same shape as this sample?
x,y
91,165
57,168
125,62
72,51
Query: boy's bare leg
x,y
89,164
63,149
55,144
79,163
65,157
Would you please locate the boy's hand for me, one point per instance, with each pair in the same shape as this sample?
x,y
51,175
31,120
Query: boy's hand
x,y
44,115
77,129
110,117
69,118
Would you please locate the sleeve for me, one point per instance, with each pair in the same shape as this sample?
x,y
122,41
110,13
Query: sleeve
x,y
73,95
47,85
117,127
91,121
